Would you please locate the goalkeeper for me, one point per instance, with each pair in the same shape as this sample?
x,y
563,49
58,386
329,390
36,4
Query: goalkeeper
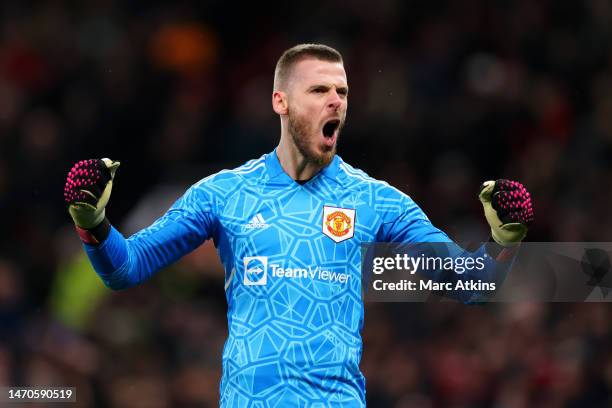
x,y
278,223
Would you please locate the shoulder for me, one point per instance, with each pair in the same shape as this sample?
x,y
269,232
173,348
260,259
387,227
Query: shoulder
x,y
387,201
214,191
356,179
228,180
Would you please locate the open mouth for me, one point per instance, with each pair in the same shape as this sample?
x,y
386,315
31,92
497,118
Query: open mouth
x,y
330,127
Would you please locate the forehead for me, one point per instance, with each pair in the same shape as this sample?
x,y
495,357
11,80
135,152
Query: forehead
x,y
312,71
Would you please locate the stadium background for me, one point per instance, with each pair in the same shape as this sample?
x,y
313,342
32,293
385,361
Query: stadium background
x,y
443,96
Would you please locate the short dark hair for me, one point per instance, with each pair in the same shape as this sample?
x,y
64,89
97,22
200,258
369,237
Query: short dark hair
x,y
295,54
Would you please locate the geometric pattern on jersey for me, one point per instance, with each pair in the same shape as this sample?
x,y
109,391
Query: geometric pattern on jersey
x,y
295,340
295,308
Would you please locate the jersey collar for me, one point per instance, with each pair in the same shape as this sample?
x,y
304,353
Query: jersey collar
x,y
276,172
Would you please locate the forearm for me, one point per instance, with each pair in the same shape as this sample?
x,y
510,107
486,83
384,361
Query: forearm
x,y
122,263
473,276
111,261
497,264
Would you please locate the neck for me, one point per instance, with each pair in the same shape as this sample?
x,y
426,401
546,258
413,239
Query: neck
x,y
294,163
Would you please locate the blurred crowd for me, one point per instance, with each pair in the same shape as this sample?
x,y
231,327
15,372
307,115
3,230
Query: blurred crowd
x,y
444,95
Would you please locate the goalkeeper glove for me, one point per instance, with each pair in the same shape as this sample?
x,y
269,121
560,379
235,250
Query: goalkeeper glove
x,y
88,188
508,209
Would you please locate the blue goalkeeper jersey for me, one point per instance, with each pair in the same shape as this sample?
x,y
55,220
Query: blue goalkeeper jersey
x,y
291,254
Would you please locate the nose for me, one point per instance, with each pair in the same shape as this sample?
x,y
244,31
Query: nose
x,y
334,101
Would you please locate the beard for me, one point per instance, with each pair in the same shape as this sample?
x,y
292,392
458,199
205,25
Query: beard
x,y
318,154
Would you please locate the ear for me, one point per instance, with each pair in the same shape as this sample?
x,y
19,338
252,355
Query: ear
x,y
279,102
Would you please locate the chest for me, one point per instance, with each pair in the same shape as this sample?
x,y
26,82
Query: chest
x,y
305,223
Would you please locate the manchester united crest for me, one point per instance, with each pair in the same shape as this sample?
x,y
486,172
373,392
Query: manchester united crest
x,y
338,223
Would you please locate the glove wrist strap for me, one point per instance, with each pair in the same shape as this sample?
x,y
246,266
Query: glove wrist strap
x,y
499,252
95,235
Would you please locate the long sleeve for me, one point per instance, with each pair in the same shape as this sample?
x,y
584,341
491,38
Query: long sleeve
x,y
405,223
122,263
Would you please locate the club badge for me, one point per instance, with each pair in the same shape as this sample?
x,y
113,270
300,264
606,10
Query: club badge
x,y
338,223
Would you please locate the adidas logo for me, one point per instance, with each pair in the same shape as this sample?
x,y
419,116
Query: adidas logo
x,y
257,222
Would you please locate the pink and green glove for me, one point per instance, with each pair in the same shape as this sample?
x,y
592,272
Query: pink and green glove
x,y
87,191
508,209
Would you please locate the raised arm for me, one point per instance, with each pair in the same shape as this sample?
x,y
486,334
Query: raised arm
x,y
121,262
508,210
